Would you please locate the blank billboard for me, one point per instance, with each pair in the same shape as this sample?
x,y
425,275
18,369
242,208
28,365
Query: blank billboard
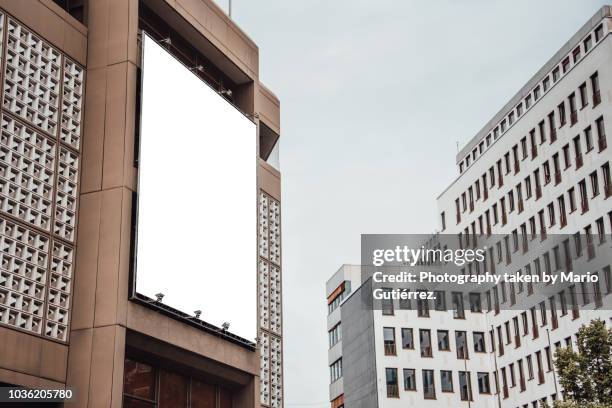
x,y
197,214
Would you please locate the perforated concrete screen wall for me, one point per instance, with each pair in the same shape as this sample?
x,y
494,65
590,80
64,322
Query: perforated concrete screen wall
x,y
197,197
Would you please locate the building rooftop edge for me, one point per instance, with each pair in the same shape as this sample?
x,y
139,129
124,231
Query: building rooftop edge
x,y
603,12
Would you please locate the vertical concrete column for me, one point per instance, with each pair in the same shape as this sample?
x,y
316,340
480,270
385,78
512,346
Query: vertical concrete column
x,y
97,338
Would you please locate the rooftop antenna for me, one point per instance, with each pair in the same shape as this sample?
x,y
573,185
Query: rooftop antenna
x,y
230,8
457,146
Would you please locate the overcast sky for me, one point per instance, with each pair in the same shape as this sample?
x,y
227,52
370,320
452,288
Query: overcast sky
x,y
375,96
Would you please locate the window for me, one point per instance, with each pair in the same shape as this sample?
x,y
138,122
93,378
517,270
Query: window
x,y
529,368
389,341
561,110
440,300
425,341
446,379
549,361
588,43
584,100
552,127
392,388
335,370
555,74
461,343
536,93
528,102
409,379
458,310
429,389
571,193
543,313
583,196
599,33
465,385
483,383
335,335
387,303
546,84
422,307
565,64
573,109
595,89
479,342
407,338
576,54
443,221
443,341
594,183
475,303
601,133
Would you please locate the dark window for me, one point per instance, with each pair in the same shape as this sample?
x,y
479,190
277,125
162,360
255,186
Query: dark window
x,y
483,383
465,385
425,341
446,379
461,344
429,389
479,342
443,341
391,377
407,338
409,379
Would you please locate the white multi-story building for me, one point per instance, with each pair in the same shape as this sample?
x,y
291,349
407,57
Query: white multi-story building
x,y
533,187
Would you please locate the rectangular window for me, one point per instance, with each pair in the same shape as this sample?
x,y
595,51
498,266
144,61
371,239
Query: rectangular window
x,y
429,389
475,303
335,370
425,341
458,310
584,98
479,342
335,335
389,341
565,64
601,134
465,386
461,344
407,338
483,383
440,300
588,43
409,379
599,33
387,302
576,54
595,89
443,341
573,109
446,379
391,377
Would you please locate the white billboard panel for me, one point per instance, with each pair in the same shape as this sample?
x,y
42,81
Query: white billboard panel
x,y
197,192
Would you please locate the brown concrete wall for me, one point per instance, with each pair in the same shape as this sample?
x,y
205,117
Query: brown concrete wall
x,y
37,360
212,22
268,107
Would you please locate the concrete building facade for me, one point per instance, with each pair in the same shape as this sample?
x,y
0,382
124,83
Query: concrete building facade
x,y
68,181
533,187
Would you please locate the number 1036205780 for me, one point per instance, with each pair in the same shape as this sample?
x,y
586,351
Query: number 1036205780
x,y
18,394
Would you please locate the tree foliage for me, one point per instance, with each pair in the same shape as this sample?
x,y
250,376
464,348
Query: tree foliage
x,y
586,375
